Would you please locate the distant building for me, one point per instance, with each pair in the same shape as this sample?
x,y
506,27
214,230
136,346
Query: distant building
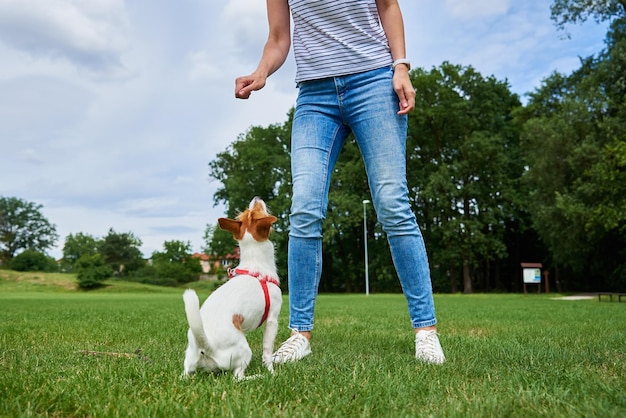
x,y
214,263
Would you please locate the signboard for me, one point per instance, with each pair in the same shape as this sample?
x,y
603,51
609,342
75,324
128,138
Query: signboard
x,y
532,275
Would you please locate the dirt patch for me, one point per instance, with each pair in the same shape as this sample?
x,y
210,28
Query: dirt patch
x,y
575,297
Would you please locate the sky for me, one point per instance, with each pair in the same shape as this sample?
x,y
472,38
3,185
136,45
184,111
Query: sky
x,y
111,110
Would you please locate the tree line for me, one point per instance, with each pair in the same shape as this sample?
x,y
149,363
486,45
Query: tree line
x,y
26,235
493,182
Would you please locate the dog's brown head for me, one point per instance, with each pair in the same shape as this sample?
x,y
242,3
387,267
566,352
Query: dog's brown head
x,y
255,220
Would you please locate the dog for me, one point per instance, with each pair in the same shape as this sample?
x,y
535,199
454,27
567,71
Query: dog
x,y
250,297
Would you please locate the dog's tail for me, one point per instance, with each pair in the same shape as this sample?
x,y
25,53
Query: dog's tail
x,y
192,309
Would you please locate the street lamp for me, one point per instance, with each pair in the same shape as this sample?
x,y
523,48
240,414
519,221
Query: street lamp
x,y
367,278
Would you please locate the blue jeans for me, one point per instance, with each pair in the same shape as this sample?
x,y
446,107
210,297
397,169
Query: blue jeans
x,y
327,110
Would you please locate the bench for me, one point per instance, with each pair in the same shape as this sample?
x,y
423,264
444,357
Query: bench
x,y
610,295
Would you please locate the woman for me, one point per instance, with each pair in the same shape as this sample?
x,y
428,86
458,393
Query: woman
x,y
353,76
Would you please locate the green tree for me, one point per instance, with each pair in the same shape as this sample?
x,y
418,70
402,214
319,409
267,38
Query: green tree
x,y
91,271
175,265
77,245
31,260
217,241
257,163
564,12
218,245
23,227
462,165
121,252
575,151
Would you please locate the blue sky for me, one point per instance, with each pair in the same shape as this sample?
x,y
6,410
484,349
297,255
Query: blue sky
x,y
111,110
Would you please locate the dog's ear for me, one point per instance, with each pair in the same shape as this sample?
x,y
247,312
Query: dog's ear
x,y
262,227
231,225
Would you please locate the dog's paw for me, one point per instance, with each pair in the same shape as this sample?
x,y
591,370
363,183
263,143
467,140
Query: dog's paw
x,y
185,376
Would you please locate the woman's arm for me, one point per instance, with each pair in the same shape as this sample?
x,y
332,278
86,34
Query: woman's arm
x,y
391,20
274,53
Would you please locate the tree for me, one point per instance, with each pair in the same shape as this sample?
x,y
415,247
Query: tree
x,y
23,227
31,260
121,252
462,165
175,265
576,156
218,242
91,271
77,245
257,163
565,12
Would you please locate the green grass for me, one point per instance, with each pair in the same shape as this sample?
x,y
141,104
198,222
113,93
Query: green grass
x,y
507,356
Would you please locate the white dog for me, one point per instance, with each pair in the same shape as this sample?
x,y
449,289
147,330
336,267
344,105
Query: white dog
x,y
251,296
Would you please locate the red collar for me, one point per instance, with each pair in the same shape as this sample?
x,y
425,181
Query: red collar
x,y
263,281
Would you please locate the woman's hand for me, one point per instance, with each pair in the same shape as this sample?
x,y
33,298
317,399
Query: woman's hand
x,y
404,89
275,50
245,85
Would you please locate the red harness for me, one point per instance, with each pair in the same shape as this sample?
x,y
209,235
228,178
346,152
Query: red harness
x,y
263,281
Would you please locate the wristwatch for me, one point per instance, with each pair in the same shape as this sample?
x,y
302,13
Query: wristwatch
x,y
401,61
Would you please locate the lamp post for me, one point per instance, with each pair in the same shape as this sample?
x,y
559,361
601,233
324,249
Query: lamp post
x,y
367,278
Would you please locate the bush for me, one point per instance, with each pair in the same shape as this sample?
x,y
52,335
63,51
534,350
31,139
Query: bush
x,y
31,260
91,271
164,272
180,273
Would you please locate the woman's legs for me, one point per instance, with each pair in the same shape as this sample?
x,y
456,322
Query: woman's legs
x,y
326,111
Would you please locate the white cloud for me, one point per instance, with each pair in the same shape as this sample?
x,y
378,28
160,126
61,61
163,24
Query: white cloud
x,y
246,23
203,66
477,8
250,15
31,156
91,34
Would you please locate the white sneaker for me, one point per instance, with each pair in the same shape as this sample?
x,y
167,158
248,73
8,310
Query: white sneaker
x,y
295,348
427,347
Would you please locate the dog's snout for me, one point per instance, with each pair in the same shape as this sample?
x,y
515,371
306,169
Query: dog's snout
x,y
257,201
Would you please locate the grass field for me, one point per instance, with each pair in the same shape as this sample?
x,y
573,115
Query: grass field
x,y
507,356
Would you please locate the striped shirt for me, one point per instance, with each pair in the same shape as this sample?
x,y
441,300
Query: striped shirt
x,y
337,37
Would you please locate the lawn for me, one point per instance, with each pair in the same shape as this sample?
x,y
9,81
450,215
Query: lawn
x,y
118,351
